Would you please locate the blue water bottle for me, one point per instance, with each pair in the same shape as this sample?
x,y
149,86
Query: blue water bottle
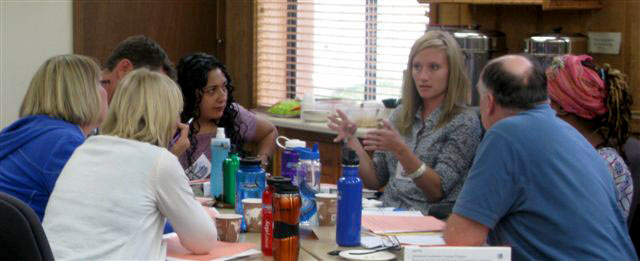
x,y
250,183
349,201
220,147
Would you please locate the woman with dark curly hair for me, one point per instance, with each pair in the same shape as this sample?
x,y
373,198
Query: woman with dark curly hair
x,y
209,105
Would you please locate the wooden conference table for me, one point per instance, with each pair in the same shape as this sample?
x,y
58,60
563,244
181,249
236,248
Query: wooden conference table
x,y
310,249
255,239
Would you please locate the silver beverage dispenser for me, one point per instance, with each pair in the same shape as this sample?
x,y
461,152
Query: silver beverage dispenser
x,y
478,46
546,46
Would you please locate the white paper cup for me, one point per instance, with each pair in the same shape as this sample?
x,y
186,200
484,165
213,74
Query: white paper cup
x,y
228,226
252,210
327,208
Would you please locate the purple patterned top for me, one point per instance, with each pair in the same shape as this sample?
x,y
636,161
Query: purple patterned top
x,y
247,122
621,177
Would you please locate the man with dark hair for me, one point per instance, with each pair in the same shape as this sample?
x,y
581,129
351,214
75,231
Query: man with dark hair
x,y
536,184
136,52
132,53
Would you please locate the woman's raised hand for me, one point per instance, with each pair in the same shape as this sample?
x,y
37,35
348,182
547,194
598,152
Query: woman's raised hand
x,y
340,123
386,138
182,142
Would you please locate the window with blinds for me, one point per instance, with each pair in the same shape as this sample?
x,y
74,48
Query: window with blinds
x,y
348,49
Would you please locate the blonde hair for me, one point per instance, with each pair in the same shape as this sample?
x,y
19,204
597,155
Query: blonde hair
x,y
65,87
145,107
458,85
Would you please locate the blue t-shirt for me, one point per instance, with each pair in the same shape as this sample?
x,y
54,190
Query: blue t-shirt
x,y
542,189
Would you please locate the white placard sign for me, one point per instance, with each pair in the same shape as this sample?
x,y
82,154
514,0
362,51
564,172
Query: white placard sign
x,y
483,253
604,42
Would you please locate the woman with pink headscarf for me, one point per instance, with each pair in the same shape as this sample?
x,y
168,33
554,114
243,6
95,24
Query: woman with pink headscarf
x,y
596,101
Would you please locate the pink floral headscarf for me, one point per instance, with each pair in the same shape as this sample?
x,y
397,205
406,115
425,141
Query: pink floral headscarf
x,y
576,88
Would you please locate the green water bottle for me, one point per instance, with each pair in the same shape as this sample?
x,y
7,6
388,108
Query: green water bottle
x,y
230,168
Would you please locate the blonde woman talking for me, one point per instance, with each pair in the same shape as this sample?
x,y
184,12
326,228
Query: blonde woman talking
x,y
114,194
423,152
63,103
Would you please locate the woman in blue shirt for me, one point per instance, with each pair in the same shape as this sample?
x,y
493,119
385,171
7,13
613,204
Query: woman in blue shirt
x,y
63,104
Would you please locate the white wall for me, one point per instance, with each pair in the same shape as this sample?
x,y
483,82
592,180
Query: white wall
x,y
30,32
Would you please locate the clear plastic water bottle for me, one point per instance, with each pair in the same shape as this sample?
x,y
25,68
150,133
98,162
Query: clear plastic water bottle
x,y
308,180
313,179
349,215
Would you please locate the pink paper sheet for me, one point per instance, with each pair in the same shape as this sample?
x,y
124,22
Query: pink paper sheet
x,y
221,249
395,224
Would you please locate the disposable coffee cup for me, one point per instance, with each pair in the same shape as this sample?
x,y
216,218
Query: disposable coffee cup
x,y
228,226
327,208
252,210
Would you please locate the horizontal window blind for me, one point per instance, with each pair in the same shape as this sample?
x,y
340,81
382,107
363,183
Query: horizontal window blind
x,y
349,49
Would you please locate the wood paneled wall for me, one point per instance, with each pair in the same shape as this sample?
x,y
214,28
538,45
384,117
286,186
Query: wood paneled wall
x,y
239,49
180,27
223,28
521,21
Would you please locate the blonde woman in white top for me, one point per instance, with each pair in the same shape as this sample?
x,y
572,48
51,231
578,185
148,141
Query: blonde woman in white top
x,y
114,193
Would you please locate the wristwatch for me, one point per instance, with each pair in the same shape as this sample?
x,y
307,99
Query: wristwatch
x,y
417,173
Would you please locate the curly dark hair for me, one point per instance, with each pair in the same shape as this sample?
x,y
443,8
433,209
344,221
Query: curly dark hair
x,y
615,124
193,71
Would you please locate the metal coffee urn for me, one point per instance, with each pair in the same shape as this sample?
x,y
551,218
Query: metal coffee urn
x,y
546,46
478,46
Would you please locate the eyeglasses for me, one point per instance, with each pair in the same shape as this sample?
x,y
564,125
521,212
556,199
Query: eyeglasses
x,y
388,243
104,83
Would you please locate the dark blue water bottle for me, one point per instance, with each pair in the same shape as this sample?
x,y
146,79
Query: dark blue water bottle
x,y
349,201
